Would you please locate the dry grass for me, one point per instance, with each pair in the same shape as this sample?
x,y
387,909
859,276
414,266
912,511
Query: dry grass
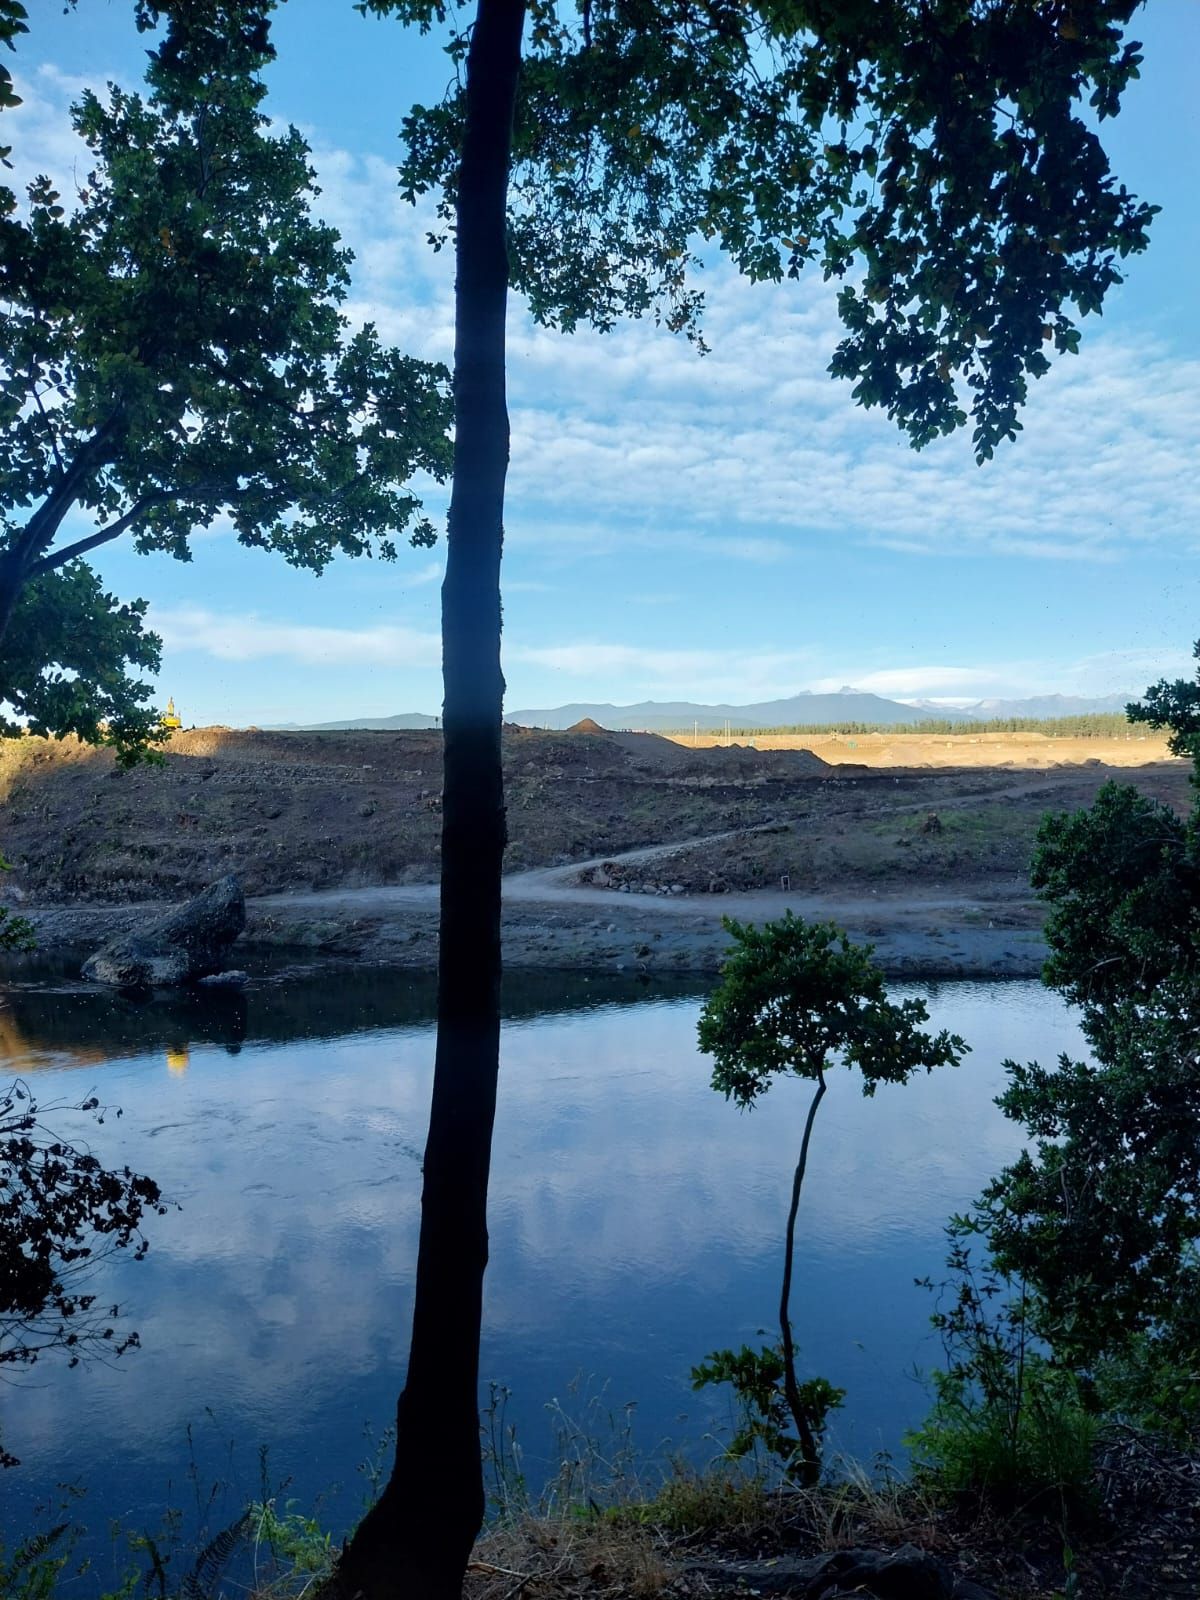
x,y
557,1557
645,1548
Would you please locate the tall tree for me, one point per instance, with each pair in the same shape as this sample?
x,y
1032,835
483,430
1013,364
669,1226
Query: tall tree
x,y
417,1539
172,349
938,150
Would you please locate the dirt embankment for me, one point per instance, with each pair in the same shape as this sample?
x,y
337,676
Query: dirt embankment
x,y
295,811
336,836
915,833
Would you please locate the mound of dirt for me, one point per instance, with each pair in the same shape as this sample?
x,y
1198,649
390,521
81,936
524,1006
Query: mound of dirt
x,y
300,811
586,725
652,750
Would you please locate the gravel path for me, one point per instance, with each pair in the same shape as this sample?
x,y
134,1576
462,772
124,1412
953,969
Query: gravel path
x,y
553,921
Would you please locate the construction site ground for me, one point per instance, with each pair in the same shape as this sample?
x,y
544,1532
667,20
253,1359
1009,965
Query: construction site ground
x,y
626,849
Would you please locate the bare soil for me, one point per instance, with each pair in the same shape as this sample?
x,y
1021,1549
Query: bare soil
x,y
923,831
626,849
293,811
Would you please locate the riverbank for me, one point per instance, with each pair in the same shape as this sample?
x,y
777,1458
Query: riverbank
x,y
723,1534
717,1536
565,929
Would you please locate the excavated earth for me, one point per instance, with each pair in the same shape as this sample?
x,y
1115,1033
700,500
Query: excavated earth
x,y
626,849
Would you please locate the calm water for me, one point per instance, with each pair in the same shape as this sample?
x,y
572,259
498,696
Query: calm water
x,y
636,1223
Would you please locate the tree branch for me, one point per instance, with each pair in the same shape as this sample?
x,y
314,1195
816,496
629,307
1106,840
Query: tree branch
x,y
37,400
94,540
38,533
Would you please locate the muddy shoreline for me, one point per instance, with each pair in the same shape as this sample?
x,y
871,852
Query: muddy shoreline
x,y
974,937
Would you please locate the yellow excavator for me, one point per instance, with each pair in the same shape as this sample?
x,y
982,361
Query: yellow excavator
x,y
170,717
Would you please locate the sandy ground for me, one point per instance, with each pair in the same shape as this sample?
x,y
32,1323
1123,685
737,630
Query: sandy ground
x,y
960,750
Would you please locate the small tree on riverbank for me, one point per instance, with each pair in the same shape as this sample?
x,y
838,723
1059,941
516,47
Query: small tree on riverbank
x,y
798,999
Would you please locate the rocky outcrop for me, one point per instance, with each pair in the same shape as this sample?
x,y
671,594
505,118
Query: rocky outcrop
x,y
182,947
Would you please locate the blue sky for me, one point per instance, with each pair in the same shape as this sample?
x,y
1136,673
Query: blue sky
x,y
729,527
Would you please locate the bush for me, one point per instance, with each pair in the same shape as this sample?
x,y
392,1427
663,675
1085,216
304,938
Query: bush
x,y
1008,1425
1012,1451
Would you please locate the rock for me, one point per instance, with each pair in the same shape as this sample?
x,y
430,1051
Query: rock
x,y
182,947
231,979
904,1574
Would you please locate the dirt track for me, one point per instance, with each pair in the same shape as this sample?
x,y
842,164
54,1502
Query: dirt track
x,y
626,849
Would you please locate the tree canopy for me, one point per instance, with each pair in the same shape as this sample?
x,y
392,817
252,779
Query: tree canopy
x,y
798,998
1176,707
65,664
1102,1214
937,160
172,351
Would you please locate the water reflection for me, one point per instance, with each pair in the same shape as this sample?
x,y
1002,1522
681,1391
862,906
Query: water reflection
x,y
636,1218
49,1018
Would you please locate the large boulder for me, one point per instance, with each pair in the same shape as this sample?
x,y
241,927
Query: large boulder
x,y
182,947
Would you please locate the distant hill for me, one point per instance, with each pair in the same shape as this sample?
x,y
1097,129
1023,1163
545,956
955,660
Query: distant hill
x,y
658,716
405,719
799,710
1051,705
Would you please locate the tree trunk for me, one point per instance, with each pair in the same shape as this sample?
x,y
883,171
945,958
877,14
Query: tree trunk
x,y
810,1455
417,1540
12,580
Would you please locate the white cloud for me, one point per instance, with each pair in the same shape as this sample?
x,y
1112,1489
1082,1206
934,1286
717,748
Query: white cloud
x,y
917,680
432,572
752,451
1111,672
40,131
759,435
248,637
740,671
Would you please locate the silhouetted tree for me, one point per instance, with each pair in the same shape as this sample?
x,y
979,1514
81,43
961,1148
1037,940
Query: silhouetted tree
x,y
799,998
1101,1214
939,150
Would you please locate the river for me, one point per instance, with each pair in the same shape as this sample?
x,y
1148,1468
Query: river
x,y
636,1225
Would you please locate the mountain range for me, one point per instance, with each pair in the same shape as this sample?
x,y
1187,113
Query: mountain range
x,y
405,719
803,709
